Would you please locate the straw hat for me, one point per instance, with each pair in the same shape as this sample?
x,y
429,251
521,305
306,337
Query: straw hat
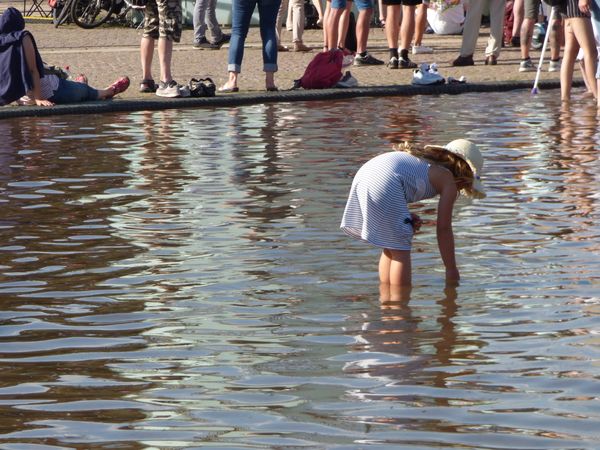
x,y
472,156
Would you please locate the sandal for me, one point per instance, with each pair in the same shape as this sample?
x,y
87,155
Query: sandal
x,y
148,86
119,86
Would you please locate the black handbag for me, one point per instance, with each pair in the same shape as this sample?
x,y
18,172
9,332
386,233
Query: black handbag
x,y
203,87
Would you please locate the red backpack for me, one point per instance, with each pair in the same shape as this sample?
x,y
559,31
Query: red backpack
x,y
324,71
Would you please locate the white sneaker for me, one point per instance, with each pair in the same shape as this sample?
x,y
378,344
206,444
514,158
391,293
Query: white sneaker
x,y
527,66
421,49
169,90
427,75
554,66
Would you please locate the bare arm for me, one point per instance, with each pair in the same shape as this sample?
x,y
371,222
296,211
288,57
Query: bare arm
x,y
444,182
35,93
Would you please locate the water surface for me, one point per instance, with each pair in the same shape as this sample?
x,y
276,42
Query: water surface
x,y
177,279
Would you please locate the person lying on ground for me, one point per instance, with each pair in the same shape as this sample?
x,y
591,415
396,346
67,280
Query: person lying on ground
x,y
22,74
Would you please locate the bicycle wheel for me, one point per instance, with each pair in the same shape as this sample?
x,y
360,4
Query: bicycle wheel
x,y
91,13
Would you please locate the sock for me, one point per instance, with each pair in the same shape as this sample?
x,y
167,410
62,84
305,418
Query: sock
x,y
363,54
555,60
393,52
404,54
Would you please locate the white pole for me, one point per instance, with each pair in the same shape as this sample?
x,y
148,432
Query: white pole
x,y
539,67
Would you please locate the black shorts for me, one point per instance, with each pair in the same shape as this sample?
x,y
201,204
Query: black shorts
x,y
402,2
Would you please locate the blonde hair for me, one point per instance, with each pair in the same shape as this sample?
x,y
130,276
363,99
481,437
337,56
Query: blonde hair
x,y
460,169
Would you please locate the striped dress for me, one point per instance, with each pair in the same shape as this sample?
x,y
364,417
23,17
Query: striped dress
x,y
570,9
377,208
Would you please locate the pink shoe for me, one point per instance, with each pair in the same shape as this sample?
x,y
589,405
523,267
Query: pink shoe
x,y
81,78
119,86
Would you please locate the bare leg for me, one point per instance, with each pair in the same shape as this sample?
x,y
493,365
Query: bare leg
x,y
165,53
362,29
582,30
393,294
395,267
518,13
232,81
407,28
270,80
566,69
331,28
526,36
420,23
326,15
146,53
343,26
557,38
392,27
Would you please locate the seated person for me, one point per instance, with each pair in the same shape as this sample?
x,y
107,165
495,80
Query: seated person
x,y
446,16
22,75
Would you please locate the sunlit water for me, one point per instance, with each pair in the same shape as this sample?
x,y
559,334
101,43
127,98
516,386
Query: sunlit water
x,y
178,279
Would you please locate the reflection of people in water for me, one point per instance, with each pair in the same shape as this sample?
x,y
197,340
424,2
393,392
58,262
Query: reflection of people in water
x,y
575,153
418,348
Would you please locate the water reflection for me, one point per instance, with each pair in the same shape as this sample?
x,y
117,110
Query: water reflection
x,y
177,279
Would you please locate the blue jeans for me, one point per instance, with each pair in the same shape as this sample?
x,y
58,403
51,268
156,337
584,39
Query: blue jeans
x,y
241,15
72,92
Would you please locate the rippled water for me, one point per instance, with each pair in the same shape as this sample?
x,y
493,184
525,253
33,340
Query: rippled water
x,y
177,279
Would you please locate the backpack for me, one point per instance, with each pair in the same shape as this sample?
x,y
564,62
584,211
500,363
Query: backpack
x,y
324,71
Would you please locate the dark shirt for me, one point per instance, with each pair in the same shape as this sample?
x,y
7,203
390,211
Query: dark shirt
x,y
15,79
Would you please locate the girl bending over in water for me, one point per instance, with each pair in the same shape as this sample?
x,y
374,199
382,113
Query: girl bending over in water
x,y
377,208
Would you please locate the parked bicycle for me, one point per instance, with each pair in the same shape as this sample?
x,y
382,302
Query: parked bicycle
x,y
93,13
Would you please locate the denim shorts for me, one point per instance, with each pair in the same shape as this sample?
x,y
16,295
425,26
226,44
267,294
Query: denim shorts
x,y
72,92
360,4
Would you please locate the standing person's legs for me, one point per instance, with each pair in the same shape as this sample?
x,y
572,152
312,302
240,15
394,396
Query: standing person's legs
x,y
420,25
557,40
198,20
407,31
267,11
344,24
395,267
392,29
530,15
496,27
471,28
147,46
241,14
363,24
582,30
297,7
569,55
283,8
518,15
332,23
212,23
326,14
170,18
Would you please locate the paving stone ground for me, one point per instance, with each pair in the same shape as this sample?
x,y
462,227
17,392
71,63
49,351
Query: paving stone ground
x,y
105,53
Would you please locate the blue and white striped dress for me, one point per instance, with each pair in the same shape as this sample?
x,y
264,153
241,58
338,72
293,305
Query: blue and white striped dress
x,y
377,208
